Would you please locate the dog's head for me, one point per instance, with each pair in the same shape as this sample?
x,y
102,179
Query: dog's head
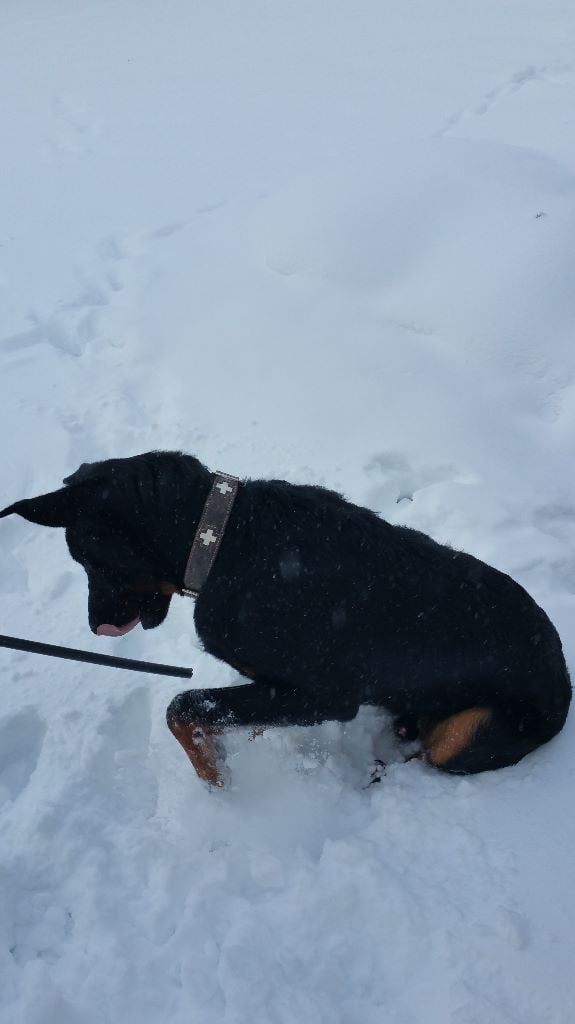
x,y
117,520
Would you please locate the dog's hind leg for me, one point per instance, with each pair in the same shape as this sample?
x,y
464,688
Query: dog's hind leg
x,y
480,739
444,741
197,717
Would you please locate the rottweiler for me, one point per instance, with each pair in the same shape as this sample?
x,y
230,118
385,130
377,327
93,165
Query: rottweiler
x,y
322,605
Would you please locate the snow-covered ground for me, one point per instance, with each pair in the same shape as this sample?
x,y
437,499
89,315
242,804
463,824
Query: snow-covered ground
x,y
332,242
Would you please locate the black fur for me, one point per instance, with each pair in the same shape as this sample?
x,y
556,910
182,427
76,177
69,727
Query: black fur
x,y
322,603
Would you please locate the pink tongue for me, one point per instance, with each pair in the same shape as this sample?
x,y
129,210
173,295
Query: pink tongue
x,y
107,630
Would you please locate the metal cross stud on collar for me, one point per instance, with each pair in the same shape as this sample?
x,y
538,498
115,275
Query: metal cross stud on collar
x,y
208,537
224,488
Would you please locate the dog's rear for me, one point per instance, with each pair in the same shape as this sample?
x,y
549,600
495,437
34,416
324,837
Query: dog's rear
x,y
512,723
483,738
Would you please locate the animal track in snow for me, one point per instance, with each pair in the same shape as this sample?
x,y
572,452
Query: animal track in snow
x,y
557,521
119,767
84,317
73,131
167,230
22,340
540,73
21,738
79,320
61,585
41,924
103,289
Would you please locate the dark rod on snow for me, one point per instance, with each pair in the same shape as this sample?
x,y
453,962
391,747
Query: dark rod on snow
x,y
94,659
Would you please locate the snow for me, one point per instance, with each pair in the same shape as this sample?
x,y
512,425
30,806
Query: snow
x,y
331,243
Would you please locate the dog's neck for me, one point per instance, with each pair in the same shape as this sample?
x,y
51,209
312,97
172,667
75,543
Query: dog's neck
x,y
182,491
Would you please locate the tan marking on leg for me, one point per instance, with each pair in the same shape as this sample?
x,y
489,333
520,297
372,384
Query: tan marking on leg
x,y
452,735
198,742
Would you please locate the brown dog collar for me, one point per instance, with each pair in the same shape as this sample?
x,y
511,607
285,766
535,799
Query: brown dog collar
x,y
210,532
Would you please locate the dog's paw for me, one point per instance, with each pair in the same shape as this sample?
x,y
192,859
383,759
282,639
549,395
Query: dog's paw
x,y
204,748
222,770
223,780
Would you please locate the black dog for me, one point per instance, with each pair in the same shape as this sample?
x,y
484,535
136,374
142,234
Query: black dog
x,y
323,605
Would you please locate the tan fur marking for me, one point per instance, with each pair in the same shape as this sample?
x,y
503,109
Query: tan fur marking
x,y
197,741
451,736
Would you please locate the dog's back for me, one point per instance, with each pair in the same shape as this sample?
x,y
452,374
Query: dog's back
x,y
333,596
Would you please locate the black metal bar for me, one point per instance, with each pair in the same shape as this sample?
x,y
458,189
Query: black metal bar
x,y
94,659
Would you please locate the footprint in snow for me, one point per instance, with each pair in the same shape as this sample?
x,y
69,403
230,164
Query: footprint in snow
x,y
82,318
73,131
40,924
557,520
120,772
21,739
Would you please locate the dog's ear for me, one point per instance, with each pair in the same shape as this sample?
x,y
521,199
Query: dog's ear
x,y
59,508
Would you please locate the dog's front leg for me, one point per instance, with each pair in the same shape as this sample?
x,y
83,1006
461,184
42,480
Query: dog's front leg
x,y
202,747
198,717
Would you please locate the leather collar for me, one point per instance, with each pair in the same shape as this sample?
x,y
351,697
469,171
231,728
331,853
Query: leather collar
x,y
210,532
